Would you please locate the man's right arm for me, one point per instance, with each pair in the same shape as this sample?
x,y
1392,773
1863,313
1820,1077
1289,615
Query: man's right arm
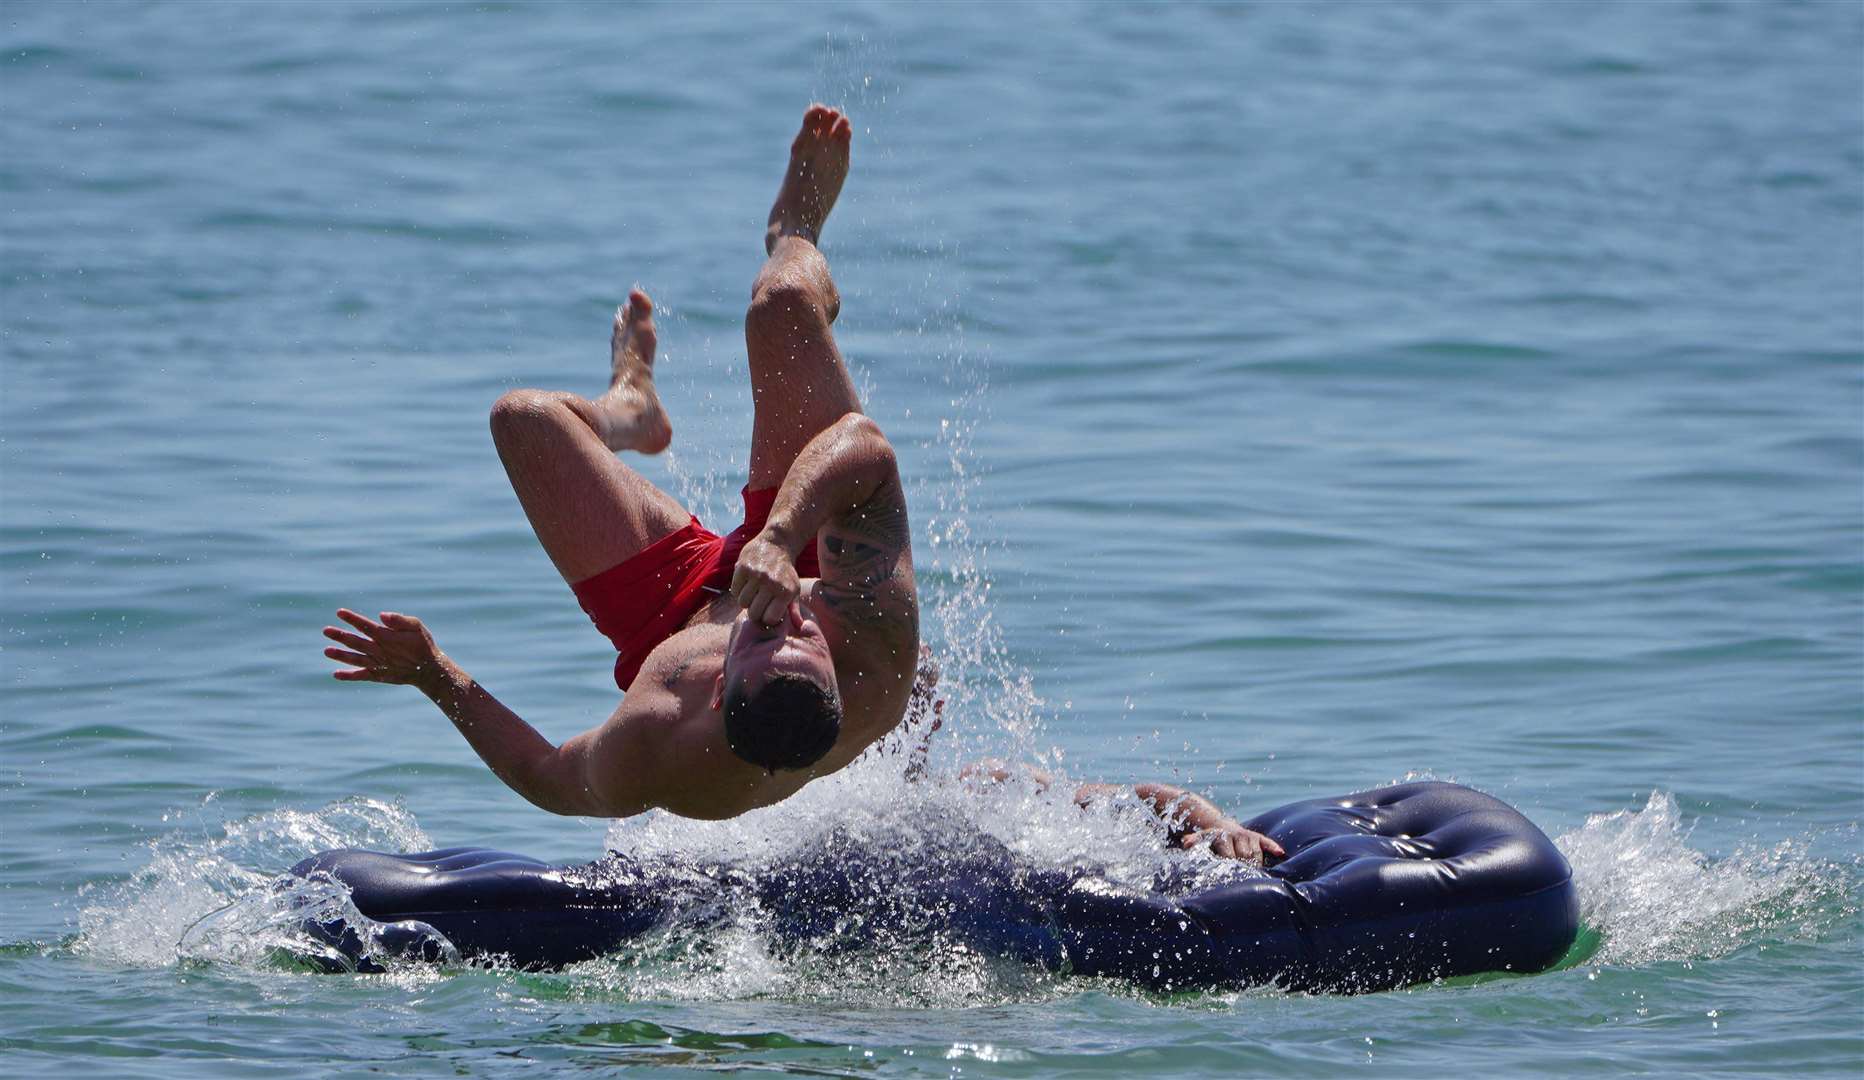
x,y
843,489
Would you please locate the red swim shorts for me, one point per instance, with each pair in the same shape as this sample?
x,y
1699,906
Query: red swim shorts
x,y
640,603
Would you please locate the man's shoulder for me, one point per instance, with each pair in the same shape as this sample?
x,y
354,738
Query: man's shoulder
x,y
666,735
873,630
680,653
876,656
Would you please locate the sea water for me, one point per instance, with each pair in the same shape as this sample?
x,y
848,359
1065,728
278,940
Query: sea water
x,y
1293,399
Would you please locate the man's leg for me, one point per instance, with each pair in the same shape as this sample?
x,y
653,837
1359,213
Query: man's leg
x,y
798,382
589,510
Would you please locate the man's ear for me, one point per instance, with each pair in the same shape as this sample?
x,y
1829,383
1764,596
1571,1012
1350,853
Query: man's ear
x,y
718,693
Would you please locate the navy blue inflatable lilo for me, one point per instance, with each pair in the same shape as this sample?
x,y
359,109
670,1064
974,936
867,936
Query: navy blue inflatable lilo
x,y
1379,890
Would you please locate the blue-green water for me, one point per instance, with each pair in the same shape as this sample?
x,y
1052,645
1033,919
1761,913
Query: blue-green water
x,y
1296,398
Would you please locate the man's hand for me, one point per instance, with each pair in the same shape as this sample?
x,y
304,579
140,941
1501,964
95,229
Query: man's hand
x,y
1231,841
765,582
396,650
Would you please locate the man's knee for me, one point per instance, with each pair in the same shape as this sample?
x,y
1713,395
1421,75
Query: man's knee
x,y
521,414
789,300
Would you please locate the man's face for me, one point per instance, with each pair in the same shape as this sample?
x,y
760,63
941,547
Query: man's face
x,y
796,644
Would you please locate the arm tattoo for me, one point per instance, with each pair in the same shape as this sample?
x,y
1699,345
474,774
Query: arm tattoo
x,y
859,564
865,561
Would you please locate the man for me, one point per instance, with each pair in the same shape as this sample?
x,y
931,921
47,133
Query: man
x,y
1191,821
754,662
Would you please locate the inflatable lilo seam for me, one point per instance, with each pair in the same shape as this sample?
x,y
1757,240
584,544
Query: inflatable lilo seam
x,y
1378,890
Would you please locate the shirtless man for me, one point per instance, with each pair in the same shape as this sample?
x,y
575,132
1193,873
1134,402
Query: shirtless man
x,y
1191,821
754,662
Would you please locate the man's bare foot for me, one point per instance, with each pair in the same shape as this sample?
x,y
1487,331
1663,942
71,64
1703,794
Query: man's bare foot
x,y
818,165
632,418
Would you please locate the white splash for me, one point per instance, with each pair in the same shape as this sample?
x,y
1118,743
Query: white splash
x,y
206,896
879,812
876,806
1652,898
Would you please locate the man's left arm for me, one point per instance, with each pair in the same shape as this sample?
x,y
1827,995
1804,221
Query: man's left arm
x,y
609,771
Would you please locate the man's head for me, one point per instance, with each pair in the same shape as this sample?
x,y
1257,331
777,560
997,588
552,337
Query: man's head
x,y
781,705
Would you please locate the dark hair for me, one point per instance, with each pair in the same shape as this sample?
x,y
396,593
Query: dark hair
x,y
790,723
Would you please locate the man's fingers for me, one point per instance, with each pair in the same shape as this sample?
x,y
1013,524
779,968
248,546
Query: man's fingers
x,y
1233,844
746,584
354,675
361,622
357,659
769,606
354,641
399,621
762,596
